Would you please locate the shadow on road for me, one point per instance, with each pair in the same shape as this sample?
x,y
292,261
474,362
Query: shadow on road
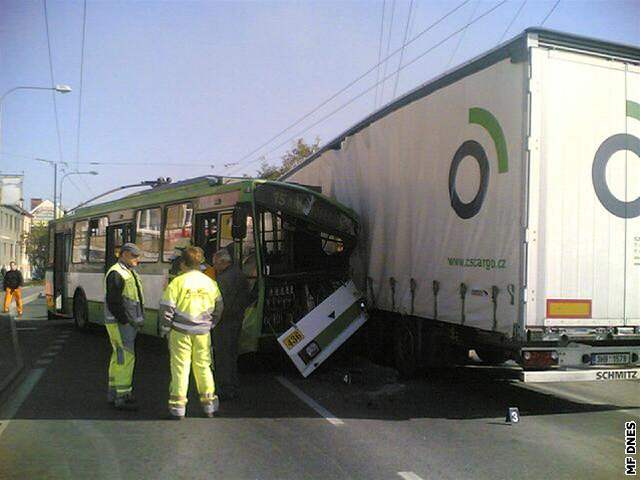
x,y
74,387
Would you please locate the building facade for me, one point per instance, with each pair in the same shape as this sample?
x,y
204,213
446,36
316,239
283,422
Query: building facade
x,y
42,211
15,225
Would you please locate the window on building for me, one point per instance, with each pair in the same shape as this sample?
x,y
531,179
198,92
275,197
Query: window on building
x,y
148,226
80,237
98,239
177,231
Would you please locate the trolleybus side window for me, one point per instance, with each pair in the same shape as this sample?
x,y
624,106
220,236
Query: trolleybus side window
x,y
80,237
98,239
177,230
148,225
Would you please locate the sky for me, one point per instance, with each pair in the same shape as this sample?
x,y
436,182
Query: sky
x,y
182,88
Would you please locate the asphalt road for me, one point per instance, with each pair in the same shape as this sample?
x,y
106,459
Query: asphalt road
x,y
56,424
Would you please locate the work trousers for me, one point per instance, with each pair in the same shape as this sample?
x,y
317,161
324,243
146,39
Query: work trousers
x,y
226,338
186,351
123,358
10,294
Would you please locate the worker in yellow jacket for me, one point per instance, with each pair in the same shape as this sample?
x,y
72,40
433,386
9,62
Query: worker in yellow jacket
x,y
123,317
191,305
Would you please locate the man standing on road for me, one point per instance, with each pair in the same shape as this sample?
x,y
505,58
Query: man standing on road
x,y
123,317
12,285
235,294
191,305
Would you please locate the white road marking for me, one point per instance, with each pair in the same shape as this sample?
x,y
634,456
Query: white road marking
x,y
409,476
20,329
323,412
55,348
9,410
43,362
49,354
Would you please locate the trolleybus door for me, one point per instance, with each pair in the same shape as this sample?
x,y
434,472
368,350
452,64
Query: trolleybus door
x,y
61,267
117,235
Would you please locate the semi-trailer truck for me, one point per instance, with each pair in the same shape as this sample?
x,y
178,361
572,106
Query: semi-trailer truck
x,y
500,211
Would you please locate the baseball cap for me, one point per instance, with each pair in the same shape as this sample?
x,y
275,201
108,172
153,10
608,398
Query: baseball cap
x,y
131,247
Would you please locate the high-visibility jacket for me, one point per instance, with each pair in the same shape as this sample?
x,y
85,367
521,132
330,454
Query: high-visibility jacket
x,y
191,303
132,296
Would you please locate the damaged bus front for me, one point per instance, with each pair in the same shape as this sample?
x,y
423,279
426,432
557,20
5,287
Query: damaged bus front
x,y
306,298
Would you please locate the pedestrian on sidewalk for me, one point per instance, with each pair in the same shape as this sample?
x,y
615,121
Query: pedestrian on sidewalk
x,y
12,284
190,306
123,317
226,335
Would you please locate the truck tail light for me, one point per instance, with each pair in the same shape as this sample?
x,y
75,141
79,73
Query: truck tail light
x,y
540,358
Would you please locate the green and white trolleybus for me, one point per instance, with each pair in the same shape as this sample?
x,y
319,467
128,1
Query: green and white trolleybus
x,y
292,242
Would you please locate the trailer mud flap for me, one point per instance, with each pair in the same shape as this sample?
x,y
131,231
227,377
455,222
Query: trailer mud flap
x,y
318,334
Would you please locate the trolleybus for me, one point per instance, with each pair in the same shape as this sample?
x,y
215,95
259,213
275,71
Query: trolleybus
x,y
292,242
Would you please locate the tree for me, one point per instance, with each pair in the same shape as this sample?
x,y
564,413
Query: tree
x,y
290,159
37,248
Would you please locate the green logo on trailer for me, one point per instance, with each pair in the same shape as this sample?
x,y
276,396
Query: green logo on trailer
x,y
613,144
471,148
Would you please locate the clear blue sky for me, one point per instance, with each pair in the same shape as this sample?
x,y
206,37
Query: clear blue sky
x,y
207,82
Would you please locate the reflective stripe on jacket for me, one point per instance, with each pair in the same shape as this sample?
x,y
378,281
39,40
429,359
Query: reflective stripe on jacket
x,y
191,303
133,302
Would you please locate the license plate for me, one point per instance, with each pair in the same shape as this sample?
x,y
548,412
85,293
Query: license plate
x,y
293,339
610,358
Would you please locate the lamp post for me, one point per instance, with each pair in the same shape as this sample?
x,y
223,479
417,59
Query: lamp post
x,y
57,88
92,172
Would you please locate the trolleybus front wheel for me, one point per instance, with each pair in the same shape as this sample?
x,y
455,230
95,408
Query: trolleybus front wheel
x,y
80,310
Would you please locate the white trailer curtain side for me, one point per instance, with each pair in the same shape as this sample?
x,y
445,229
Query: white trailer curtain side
x,y
501,195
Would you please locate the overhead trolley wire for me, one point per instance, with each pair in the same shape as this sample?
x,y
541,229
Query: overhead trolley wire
x,y
550,12
455,50
361,94
404,43
386,60
53,93
504,34
97,163
84,28
375,98
350,84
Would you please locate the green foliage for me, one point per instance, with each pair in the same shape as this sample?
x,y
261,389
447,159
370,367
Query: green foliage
x,y
37,247
290,159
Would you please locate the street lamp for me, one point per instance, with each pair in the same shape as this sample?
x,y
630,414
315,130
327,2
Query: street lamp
x,y
57,88
92,172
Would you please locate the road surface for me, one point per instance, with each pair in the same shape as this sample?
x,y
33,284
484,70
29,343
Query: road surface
x,y
56,423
